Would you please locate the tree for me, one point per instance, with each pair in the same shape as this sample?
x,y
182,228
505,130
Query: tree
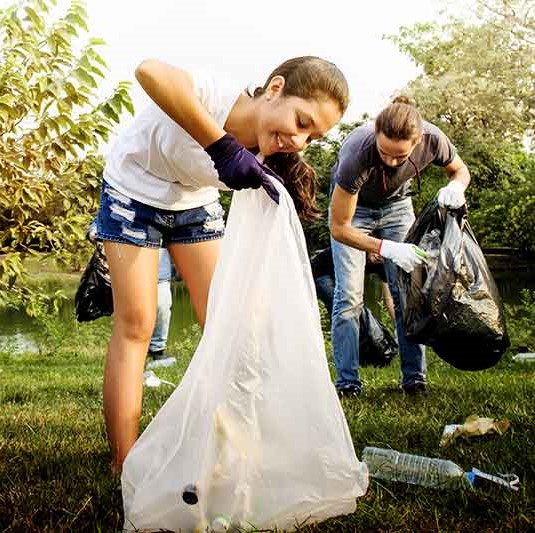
x,y
478,85
518,16
476,78
51,124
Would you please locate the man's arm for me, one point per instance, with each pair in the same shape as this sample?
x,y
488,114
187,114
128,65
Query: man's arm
x,y
343,205
458,171
452,195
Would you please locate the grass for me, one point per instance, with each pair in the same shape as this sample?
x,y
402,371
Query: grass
x,y
54,458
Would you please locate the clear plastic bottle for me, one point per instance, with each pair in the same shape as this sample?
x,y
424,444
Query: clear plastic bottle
x,y
426,471
524,358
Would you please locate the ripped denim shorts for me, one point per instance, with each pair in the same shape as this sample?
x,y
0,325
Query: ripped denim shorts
x,y
122,219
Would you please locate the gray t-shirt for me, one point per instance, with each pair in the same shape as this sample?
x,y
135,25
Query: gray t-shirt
x,y
359,168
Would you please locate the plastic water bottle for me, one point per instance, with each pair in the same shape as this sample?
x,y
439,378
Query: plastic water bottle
x,y
426,471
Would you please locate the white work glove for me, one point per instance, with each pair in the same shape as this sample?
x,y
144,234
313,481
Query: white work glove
x,y
452,195
403,254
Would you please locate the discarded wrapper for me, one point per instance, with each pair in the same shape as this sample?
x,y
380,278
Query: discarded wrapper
x,y
473,426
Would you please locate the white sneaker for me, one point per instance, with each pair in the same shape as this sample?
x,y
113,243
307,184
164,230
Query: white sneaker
x,y
158,363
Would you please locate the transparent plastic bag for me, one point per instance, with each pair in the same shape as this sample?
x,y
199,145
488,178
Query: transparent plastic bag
x,y
452,302
255,426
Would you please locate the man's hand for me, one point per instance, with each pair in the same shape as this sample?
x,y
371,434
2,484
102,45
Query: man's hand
x,y
452,195
405,255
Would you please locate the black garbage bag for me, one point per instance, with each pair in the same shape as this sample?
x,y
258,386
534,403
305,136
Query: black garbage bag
x,y
452,302
93,297
377,346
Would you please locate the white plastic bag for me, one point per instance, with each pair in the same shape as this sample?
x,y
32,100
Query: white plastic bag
x,y
255,424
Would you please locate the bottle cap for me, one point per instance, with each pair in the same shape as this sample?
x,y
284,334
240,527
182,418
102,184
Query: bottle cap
x,y
480,479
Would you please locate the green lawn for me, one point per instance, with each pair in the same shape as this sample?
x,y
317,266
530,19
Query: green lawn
x,y
54,458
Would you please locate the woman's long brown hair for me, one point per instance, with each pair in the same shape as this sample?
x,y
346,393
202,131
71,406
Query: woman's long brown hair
x,y
306,77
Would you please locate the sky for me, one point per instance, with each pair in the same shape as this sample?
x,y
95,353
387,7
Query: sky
x,y
246,40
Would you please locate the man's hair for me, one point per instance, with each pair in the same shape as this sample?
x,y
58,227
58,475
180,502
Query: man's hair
x,y
400,120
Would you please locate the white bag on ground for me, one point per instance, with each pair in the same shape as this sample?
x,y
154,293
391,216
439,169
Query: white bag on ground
x,y
255,424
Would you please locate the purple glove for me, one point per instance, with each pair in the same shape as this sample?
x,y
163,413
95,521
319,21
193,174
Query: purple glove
x,y
239,169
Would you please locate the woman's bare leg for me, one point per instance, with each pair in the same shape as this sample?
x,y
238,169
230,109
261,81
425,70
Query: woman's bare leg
x,y
134,272
196,264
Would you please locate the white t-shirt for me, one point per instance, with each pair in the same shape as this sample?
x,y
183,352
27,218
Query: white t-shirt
x,y
157,163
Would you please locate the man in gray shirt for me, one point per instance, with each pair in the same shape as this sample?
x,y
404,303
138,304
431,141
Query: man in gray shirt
x,y
371,195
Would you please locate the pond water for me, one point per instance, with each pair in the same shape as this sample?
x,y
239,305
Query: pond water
x,y
17,329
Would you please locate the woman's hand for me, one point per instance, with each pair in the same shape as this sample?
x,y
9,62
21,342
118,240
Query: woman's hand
x,y
239,169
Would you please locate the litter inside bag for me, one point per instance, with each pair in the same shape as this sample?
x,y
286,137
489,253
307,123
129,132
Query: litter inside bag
x,y
377,346
254,435
93,297
452,302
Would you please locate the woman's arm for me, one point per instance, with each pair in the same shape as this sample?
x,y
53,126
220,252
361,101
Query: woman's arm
x,y
171,88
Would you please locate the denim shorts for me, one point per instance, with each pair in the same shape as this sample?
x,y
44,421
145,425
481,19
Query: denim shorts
x,y
123,219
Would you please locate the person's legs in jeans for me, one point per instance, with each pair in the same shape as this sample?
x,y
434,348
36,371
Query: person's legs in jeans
x,y
158,340
395,222
349,265
325,290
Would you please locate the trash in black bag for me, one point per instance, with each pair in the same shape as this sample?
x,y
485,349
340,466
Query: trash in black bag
x,y
93,297
452,303
377,347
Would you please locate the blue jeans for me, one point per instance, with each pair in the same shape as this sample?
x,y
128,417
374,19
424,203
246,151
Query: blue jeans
x,y
391,222
324,290
160,333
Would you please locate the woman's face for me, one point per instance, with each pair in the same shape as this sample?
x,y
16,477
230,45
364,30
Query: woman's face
x,y
290,123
